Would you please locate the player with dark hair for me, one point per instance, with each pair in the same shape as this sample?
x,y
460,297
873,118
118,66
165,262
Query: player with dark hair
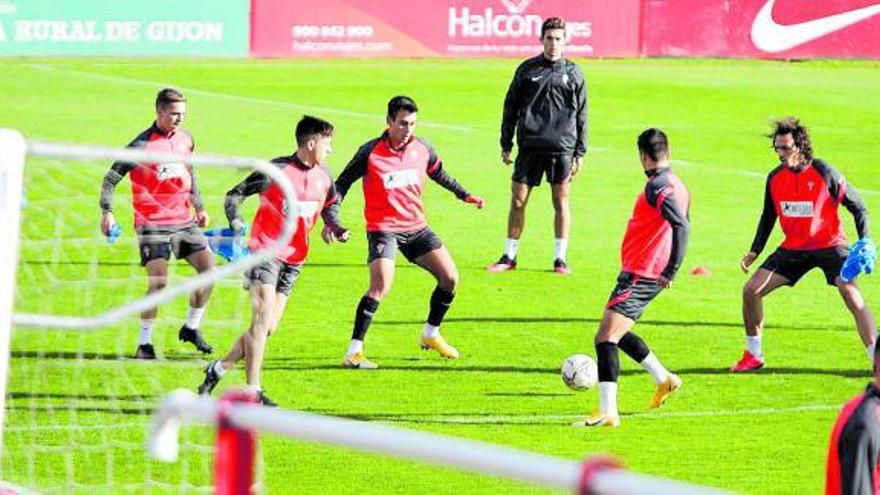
x,y
853,466
805,193
394,167
163,195
271,282
546,104
652,252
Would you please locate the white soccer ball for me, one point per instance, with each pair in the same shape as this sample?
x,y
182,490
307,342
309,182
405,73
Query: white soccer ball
x,y
580,372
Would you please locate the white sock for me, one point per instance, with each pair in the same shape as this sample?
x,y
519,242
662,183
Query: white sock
x,y
146,331
753,344
870,350
355,346
254,389
560,250
430,331
608,398
194,317
219,369
653,366
511,248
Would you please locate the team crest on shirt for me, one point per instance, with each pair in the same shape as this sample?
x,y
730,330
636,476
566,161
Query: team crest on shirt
x,y
811,185
565,79
167,171
400,178
796,209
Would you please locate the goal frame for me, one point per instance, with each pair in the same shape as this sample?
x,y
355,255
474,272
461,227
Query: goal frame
x,y
14,151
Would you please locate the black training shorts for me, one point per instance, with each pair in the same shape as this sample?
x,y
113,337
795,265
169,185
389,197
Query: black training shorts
x,y
632,294
530,166
411,244
795,264
278,273
158,242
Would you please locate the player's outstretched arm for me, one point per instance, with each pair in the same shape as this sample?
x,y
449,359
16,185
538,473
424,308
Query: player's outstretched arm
x,y
446,181
253,184
356,168
475,200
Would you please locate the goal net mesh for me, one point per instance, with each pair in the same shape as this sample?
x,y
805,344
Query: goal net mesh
x,y
78,405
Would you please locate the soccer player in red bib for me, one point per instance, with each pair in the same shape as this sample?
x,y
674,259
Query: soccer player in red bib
x,y
652,252
805,194
164,196
271,282
394,167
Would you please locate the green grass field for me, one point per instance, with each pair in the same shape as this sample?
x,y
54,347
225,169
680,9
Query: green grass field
x,y
77,408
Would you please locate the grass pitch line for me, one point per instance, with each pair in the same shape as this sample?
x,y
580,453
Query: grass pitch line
x,y
750,173
553,418
244,99
501,418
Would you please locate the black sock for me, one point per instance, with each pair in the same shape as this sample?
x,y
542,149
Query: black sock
x,y
609,364
363,317
634,347
441,299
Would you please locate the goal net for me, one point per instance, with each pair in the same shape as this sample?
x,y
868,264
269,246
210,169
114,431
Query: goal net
x,y
78,404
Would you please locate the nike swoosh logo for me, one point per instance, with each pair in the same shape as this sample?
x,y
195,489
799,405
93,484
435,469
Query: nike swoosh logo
x,y
772,37
537,78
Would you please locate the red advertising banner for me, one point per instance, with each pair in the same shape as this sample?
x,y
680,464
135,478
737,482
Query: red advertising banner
x,y
762,28
440,28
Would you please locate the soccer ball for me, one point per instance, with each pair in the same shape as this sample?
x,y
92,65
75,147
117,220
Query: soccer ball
x,y
580,372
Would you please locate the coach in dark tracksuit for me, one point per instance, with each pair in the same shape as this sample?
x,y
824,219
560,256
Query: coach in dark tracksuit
x,y
547,106
854,449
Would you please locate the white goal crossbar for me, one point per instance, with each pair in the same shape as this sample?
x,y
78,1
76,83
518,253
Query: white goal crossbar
x,y
595,477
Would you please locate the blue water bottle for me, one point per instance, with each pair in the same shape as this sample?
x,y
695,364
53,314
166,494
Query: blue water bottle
x,y
115,232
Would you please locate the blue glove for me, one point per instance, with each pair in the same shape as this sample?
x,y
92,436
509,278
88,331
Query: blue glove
x,y
115,232
870,254
228,243
862,257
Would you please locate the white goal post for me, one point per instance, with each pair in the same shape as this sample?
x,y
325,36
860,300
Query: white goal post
x,y
596,476
12,153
